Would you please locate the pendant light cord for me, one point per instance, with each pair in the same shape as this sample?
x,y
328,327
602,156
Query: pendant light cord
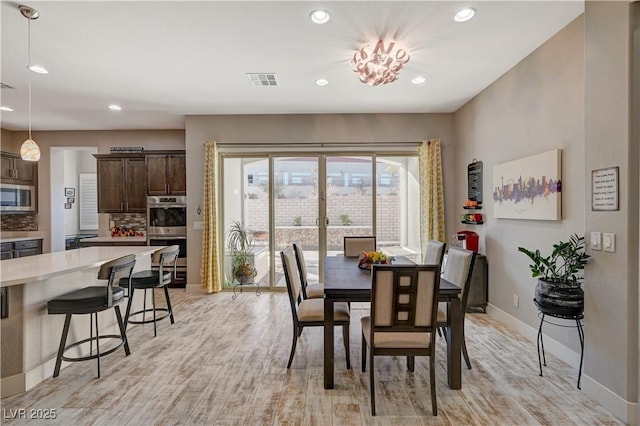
x,y
29,71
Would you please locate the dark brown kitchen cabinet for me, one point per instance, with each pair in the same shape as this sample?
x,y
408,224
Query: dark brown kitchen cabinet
x,y
166,174
122,184
16,170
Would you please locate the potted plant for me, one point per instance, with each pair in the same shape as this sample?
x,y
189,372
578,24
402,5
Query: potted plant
x,y
344,218
559,288
240,246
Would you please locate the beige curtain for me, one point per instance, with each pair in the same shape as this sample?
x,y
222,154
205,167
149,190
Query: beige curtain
x,y
431,193
210,265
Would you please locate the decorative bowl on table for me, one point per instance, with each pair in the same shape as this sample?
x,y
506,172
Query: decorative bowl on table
x,y
368,258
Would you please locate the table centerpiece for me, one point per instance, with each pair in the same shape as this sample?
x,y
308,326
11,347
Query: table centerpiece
x,y
368,258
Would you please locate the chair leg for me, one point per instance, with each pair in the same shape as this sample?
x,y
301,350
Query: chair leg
x,y
166,295
345,338
128,311
432,383
439,331
97,344
144,306
153,305
293,344
364,354
411,363
123,329
465,354
372,388
63,342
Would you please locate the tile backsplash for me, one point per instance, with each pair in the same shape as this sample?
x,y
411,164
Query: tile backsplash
x,y
135,221
18,222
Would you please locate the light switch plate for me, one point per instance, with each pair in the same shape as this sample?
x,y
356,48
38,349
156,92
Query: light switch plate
x,y
609,242
198,225
596,241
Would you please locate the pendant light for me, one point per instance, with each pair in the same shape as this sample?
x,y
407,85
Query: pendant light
x,y
29,150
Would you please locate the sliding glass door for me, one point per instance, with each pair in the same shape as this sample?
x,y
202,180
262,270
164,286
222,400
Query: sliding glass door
x,y
315,200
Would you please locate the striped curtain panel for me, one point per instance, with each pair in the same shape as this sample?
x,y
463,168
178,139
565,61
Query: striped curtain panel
x,y
432,225
210,265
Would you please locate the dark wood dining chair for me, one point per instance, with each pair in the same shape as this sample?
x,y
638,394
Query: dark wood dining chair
x,y
91,300
354,246
309,291
434,253
404,307
310,312
457,270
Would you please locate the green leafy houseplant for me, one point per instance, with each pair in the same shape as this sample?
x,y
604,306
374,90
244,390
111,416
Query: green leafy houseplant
x,y
240,246
563,265
558,291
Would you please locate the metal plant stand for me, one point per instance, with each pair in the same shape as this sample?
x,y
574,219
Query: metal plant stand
x,y
579,319
237,284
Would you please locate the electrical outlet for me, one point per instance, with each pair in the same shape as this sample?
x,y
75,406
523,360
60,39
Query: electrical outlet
x,y
596,241
609,242
198,225
516,301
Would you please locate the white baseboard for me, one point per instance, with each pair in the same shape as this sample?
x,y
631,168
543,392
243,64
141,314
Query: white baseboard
x,y
625,410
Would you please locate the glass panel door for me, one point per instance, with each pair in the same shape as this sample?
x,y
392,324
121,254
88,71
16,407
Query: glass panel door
x,y
246,200
349,199
398,206
295,200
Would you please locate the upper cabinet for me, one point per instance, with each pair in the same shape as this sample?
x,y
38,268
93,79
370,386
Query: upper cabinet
x,y
166,174
18,171
122,183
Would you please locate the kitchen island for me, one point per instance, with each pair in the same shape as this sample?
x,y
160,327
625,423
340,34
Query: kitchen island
x,y
29,336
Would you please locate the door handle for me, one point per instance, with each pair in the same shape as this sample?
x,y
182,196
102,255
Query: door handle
x,y
317,221
326,221
121,205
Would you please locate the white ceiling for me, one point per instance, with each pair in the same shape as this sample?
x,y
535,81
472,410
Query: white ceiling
x,y
164,60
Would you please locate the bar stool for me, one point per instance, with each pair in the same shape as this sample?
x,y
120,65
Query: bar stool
x,y
156,277
91,300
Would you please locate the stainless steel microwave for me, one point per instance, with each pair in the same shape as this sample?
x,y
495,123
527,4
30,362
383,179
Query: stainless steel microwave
x,y
17,198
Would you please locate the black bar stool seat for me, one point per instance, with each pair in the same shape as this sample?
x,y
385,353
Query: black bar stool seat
x,y
84,301
151,279
91,300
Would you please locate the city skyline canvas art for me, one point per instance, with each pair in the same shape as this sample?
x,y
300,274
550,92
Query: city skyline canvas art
x,y
529,188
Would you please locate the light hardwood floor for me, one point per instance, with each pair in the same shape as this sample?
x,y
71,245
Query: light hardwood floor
x,y
224,363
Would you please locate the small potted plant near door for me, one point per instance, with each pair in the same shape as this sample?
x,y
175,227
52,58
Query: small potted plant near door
x,y
240,246
559,288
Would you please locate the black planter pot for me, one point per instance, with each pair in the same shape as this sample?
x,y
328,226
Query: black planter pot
x,y
559,299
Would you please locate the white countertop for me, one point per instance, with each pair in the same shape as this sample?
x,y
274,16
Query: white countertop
x,y
43,266
110,239
11,240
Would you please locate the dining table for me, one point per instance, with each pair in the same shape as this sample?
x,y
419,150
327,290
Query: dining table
x,y
344,281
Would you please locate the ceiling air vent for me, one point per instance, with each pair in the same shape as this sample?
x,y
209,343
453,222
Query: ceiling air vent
x,y
5,86
262,79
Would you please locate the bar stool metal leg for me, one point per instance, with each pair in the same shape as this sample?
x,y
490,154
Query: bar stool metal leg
x,y
166,295
97,344
153,305
63,343
123,330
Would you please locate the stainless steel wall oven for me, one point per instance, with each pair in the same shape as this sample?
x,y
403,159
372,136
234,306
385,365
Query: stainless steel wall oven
x,y
167,226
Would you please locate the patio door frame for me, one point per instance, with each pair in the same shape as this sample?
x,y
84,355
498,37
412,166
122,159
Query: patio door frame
x,y
271,152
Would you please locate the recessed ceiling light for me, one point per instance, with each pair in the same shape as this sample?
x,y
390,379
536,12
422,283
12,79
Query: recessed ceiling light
x,y
6,108
319,16
322,82
39,69
419,80
464,15
114,107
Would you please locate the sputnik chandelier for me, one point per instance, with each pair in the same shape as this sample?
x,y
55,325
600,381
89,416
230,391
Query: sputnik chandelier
x,y
379,65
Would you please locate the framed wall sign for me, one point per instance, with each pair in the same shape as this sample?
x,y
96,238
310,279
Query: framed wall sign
x,y
604,189
69,192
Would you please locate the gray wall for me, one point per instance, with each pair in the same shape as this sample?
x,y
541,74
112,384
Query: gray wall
x,y
301,129
612,140
573,93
